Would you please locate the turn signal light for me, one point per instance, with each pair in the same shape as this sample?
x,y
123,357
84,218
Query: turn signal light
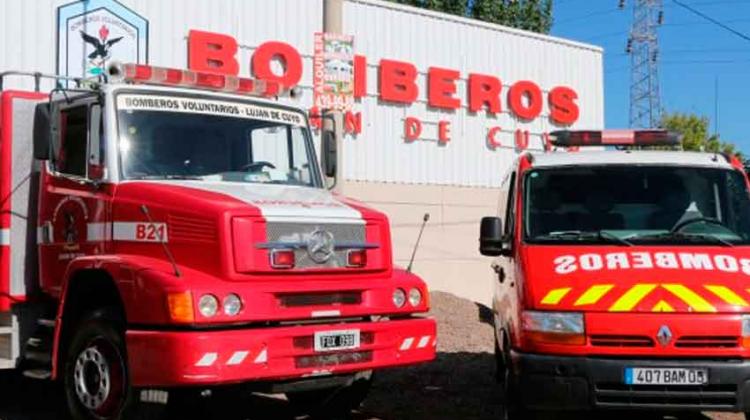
x,y
181,307
555,338
746,331
356,258
282,258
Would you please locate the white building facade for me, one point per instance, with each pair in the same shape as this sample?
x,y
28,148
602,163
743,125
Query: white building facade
x,y
444,104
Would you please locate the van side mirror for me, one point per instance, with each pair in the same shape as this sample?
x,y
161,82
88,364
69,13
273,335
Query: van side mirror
x,y
491,237
42,131
329,153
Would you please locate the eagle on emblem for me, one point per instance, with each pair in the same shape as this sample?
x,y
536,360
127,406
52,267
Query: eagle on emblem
x,y
101,45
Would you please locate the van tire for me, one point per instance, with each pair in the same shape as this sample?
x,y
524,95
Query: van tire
x,y
95,373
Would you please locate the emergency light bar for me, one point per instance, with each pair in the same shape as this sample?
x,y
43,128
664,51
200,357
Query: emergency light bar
x,y
567,138
139,73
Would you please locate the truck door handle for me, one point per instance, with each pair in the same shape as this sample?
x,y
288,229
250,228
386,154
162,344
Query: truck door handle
x,y
500,271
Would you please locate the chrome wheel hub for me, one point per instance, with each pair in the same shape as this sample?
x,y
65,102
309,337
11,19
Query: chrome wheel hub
x,y
92,378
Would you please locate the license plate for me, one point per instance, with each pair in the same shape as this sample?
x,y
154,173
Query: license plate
x,y
665,376
336,340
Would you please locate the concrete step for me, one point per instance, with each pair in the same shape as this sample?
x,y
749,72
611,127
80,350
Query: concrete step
x,y
41,374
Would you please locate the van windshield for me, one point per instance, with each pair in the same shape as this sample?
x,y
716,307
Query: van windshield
x,y
213,140
636,205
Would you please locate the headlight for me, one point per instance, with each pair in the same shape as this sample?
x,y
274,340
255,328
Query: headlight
x,y
208,305
554,327
415,297
399,298
746,331
232,304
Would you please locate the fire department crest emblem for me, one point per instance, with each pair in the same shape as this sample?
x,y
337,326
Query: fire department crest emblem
x,y
93,33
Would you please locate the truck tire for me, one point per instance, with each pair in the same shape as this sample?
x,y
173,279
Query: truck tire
x,y
331,403
96,378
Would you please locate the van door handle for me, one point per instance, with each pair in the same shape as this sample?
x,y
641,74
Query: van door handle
x,y
500,271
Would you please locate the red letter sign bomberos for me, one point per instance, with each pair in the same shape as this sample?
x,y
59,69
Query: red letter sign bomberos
x,y
398,82
212,52
269,51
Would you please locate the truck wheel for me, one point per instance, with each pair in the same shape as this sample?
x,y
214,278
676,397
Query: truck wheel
x,y
96,380
331,403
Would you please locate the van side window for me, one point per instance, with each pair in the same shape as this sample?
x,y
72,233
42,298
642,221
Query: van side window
x,y
70,152
510,214
96,143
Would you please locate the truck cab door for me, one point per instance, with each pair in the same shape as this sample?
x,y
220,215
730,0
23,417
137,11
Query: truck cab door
x,y
74,197
505,300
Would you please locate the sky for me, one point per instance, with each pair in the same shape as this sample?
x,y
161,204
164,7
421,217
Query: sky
x,y
694,55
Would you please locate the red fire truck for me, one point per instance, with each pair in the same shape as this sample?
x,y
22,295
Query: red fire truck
x,y
622,277
165,228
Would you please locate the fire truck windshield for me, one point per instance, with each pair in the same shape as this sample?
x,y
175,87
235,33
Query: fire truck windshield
x,y
636,205
219,142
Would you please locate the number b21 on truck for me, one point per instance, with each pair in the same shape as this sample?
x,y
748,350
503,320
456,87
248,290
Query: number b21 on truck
x,y
621,277
167,229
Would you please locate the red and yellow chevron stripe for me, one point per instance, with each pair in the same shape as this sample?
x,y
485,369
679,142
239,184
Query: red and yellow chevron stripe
x,y
662,297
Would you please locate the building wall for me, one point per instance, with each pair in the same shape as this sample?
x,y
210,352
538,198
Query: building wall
x,y
384,30
456,183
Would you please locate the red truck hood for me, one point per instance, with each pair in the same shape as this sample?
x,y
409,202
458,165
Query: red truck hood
x,y
637,279
273,202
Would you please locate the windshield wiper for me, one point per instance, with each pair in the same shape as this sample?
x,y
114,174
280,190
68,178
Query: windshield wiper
x,y
600,235
166,176
684,236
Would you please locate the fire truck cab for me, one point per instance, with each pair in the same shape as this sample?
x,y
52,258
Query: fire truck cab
x,y
167,229
622,277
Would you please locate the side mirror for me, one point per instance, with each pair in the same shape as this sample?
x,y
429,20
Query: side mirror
x,y
491,237
329,153
42,131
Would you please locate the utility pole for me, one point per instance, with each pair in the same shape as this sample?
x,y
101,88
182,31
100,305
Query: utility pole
x,y
643,48
333,121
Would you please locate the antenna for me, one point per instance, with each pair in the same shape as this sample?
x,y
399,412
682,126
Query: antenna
x,y
145,211
419,238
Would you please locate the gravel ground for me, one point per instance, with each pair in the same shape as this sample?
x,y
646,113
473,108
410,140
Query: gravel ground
x,y
458,385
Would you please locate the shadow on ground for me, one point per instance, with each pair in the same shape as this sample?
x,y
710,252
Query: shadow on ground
x,y
456,386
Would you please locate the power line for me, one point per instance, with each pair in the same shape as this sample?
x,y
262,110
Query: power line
x,y
710,19
683,62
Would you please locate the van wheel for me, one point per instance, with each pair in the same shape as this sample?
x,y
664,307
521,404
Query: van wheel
x,y
331,403
96,380
510,405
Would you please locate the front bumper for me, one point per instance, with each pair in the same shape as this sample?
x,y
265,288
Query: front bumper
x,y
584,383
185,358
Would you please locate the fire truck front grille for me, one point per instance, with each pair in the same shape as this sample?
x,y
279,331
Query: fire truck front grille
x,y
299,232
621,341
712,342
296,300
704,396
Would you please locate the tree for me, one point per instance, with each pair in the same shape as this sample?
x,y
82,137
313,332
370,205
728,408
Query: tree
x,y
455,7
482,10
531,15
695,134
694,129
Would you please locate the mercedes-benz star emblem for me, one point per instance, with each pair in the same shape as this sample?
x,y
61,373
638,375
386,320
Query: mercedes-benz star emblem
x,y
664,335
320,246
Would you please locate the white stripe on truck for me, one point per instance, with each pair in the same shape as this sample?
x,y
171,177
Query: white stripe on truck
x,y
4,236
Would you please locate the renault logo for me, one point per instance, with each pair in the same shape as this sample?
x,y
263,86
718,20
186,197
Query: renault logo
x,y
320,246
664,335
